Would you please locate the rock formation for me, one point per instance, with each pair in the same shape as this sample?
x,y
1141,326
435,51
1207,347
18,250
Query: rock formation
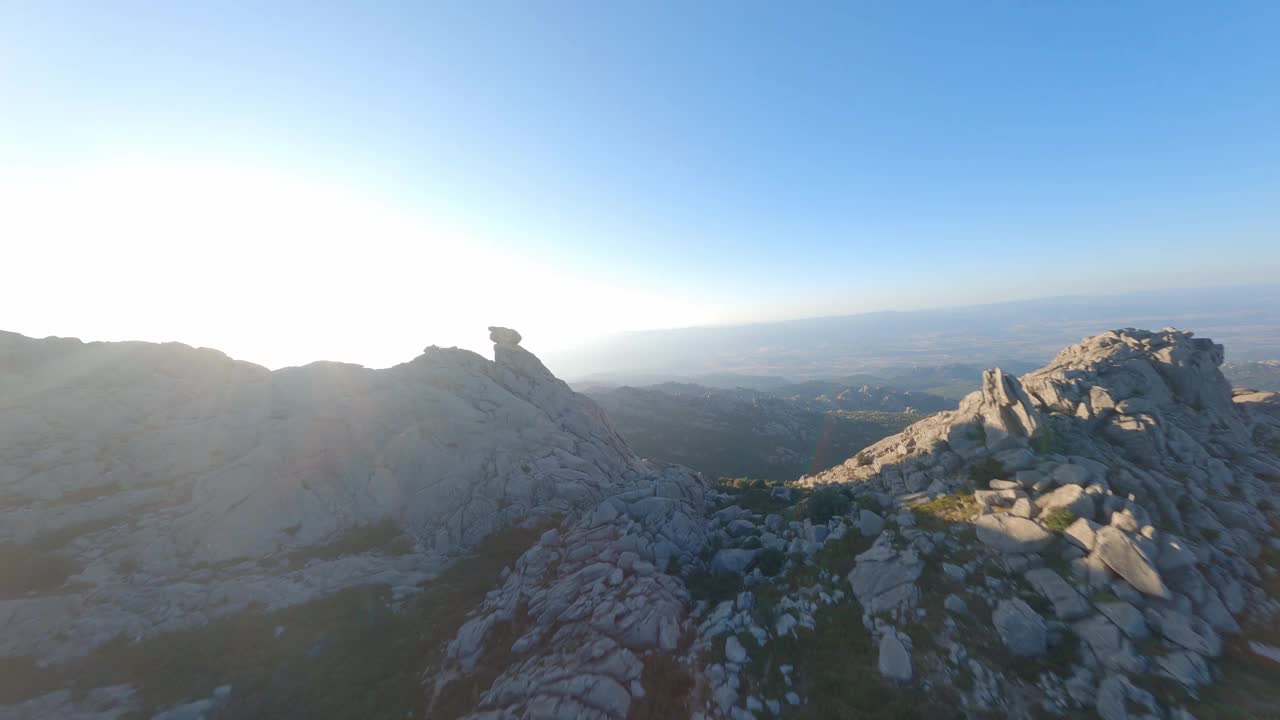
x,y
175,484
1131,448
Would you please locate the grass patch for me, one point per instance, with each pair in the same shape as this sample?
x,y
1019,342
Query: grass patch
x,y
945,510
1058,519
835,670
346,655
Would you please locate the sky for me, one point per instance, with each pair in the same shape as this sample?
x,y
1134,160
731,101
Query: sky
x,y
353,181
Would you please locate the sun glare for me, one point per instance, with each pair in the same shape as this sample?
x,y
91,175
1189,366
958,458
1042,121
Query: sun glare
x,y
281,269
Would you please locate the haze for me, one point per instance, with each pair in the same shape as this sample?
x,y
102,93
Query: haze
x,y
289,183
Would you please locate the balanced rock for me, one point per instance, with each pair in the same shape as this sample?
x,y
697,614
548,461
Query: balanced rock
x,y
504,336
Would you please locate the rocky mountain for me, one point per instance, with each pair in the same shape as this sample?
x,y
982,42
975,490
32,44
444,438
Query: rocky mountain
x,y
750,433
146,488
1258,375
1095,537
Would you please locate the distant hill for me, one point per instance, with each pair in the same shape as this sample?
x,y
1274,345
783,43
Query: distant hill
x,y
803,428
1016,336
1260,375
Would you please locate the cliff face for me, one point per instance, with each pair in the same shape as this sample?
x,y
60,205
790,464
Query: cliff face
x,y
171,484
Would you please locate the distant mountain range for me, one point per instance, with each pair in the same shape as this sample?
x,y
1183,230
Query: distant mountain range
x,y
1016,336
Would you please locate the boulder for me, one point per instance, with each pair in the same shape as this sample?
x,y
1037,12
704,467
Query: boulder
x,y
504,336
870,524
955,604
1067,603
895,659
1021,629
1186,631
1071,497
1082,533
1127,618
1119,699
954,573
1123,555
1186,667
1072,475
883,578
1109,646
1012,534
733,561
733,650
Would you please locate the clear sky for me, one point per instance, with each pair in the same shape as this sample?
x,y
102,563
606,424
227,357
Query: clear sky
x,y
353,181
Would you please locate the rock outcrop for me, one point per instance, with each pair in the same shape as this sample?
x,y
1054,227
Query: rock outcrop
x,y
588,604
1125,484
173,484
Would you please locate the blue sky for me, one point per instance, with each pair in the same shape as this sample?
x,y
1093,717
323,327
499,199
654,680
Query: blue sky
x,y
715,162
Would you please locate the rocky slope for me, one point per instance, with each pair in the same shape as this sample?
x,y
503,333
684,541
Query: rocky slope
x,y
1095,537
1122,486
1089,539
146,488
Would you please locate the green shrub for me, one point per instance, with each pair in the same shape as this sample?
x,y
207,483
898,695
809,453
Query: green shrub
x,y
1058,519
827,503
984,471
945,510
741,483
772,561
